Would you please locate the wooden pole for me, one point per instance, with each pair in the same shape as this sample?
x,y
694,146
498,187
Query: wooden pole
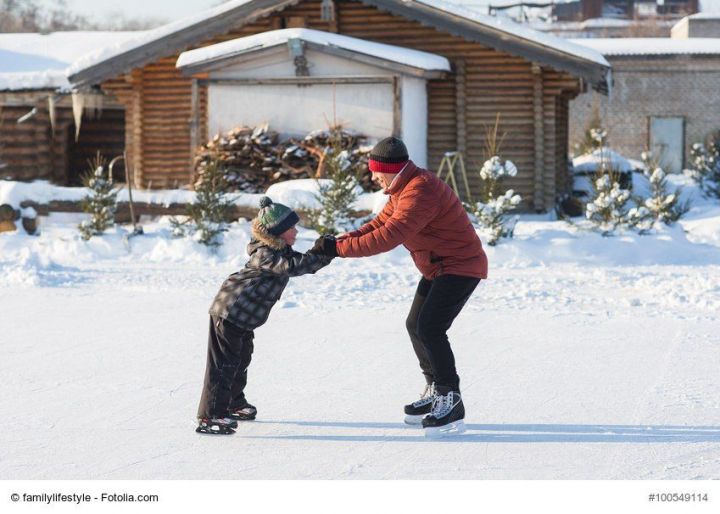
x,y
194,126
539,153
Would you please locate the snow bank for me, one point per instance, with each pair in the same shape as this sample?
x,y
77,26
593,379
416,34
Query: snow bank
x,y
543,244
590,162
298,194
540,242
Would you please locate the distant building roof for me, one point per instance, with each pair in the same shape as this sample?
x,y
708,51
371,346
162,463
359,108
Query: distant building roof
x,y
652,46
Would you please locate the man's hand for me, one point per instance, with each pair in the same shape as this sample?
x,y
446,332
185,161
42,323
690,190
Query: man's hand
x,y
324,245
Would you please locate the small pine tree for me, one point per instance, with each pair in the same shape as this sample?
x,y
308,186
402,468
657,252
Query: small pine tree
x,y
209,215
338,194
492,216
608,209
593,131
662,205
100,203
492,211
706,167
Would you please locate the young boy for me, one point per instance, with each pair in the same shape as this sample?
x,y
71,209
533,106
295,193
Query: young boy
x,y
243,304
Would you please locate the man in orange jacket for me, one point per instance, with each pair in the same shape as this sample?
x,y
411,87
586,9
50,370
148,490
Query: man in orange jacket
x,y
424,214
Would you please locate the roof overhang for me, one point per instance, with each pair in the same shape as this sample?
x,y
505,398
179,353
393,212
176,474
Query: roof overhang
x,y
503,35
393,58
172,38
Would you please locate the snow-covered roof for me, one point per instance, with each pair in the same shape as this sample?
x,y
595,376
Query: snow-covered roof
x,y
496,33
400,55
33,80
109,51
509,27
652,46
38,61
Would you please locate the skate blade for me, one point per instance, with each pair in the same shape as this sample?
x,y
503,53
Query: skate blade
x,y
204,431
414,419
451,429
250,417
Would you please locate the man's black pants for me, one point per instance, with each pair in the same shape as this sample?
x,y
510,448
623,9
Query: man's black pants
x,y
229,354
435,306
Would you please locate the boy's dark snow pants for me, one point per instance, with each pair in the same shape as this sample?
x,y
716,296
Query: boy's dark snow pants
x,y
435,306
229,353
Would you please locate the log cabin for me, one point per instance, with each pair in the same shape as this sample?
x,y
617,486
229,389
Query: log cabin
x,y
495,67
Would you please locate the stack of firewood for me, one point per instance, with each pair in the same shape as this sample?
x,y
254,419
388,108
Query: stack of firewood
x,y
255,158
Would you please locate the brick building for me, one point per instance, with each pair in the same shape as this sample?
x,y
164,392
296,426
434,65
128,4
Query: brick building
x,y
665,93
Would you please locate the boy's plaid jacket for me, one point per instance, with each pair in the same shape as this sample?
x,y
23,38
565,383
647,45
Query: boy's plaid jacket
x,y
247,296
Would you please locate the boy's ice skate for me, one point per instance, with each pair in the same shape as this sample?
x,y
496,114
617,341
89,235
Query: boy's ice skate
x,y
446,416
245,413
216,426
417,410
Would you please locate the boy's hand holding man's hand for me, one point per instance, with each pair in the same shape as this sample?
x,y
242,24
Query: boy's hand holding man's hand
x,y
324,245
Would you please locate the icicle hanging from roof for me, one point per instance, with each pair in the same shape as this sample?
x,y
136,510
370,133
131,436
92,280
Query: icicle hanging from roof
x,y
78,106
85,101
51,112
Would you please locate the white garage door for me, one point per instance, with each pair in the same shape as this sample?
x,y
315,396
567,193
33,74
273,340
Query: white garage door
x,y
296,110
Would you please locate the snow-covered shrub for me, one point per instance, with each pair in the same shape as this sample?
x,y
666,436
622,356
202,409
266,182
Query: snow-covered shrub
x,y
208,217
492,172
607,210
662,205
100,202
491,210
337,194
493,216
706,167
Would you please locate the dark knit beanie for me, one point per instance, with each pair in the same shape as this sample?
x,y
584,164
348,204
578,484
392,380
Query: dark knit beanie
x,y
388,156
276,218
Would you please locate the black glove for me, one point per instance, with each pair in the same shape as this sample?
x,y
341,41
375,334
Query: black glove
x,y
324,245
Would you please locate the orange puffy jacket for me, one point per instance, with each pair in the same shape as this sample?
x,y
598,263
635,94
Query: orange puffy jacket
x,y
426,216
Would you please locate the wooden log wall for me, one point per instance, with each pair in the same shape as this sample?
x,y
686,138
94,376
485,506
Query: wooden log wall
x,y
160,104
25,148
33,150
104,133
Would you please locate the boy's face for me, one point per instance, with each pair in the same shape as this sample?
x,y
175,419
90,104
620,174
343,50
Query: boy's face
x,y
290,235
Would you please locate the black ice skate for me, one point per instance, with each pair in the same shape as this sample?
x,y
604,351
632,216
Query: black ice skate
x,y
245,413
446,416
216,426
417,410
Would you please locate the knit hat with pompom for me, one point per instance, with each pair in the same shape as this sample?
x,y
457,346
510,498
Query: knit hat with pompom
x,y
276,218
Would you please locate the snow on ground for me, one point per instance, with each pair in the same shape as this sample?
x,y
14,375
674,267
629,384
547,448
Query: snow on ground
x,y
581,357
